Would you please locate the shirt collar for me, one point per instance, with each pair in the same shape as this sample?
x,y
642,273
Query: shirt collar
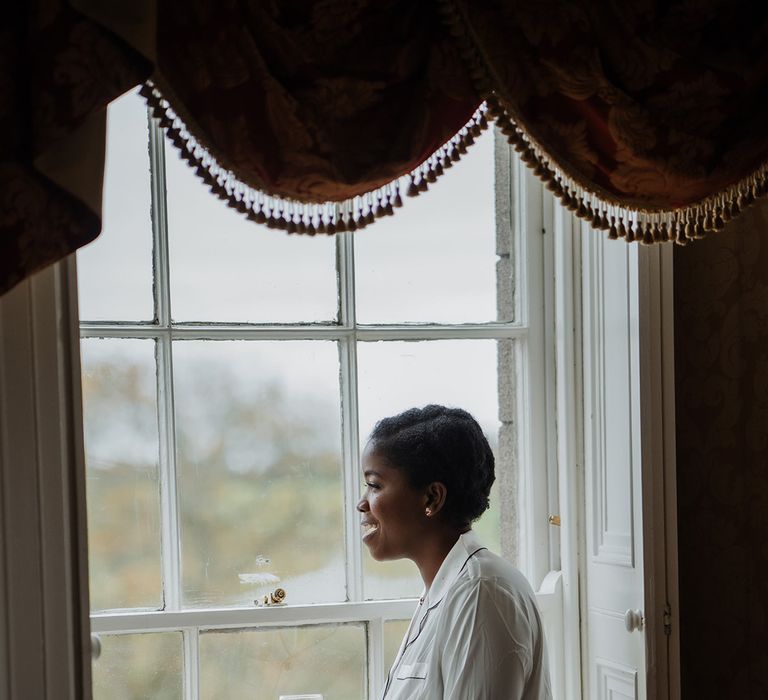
x,y
467,544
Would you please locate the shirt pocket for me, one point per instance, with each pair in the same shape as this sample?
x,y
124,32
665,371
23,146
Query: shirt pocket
x,y
407,672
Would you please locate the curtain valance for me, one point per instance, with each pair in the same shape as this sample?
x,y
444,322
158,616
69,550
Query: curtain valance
x,y
647,119
305,115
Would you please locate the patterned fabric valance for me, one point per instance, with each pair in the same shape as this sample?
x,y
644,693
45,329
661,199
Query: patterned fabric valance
x,y
306,115
647,119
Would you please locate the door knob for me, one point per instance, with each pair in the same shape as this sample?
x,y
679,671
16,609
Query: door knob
x,y
95,646
633,620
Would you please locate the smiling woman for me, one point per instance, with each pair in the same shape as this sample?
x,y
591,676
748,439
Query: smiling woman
x,y
476,632
427,470
390,509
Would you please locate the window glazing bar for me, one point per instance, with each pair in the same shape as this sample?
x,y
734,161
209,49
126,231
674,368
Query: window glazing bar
x,y
159,215
163,351
440,332
242,618
191,639
349,419
376,671
308,332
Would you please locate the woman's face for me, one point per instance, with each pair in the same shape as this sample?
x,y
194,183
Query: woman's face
x,y
392,511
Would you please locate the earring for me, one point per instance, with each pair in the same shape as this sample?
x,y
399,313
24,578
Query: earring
x,y
428,512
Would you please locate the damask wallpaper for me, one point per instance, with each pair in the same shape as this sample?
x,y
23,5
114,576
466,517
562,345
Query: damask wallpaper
x,y
721,351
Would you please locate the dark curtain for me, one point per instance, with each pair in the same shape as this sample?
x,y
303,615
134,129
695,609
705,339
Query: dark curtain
x,y
721,415
652,113
645,118
58,72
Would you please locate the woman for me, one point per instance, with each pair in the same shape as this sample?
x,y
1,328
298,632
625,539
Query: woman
x,y
476,633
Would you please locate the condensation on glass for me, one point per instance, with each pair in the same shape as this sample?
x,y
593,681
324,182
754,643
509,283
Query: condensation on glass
x,y
327,660
115,271
139,666
122,455
259,470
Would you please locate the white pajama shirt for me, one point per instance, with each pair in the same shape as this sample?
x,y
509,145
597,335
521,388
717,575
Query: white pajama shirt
x,y
476,635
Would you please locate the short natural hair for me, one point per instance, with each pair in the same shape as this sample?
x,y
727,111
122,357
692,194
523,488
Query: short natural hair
x,y
436,443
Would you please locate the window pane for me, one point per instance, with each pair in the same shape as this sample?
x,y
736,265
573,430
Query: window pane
x,y
227,268
133,666
121,451
397,375
435,260
394,631
260,476
115,271
265,664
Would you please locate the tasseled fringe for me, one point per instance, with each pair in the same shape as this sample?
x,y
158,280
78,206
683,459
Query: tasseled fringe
x,y
680,225
309,218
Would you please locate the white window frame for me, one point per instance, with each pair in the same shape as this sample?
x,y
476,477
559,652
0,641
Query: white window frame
x,y
520,209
